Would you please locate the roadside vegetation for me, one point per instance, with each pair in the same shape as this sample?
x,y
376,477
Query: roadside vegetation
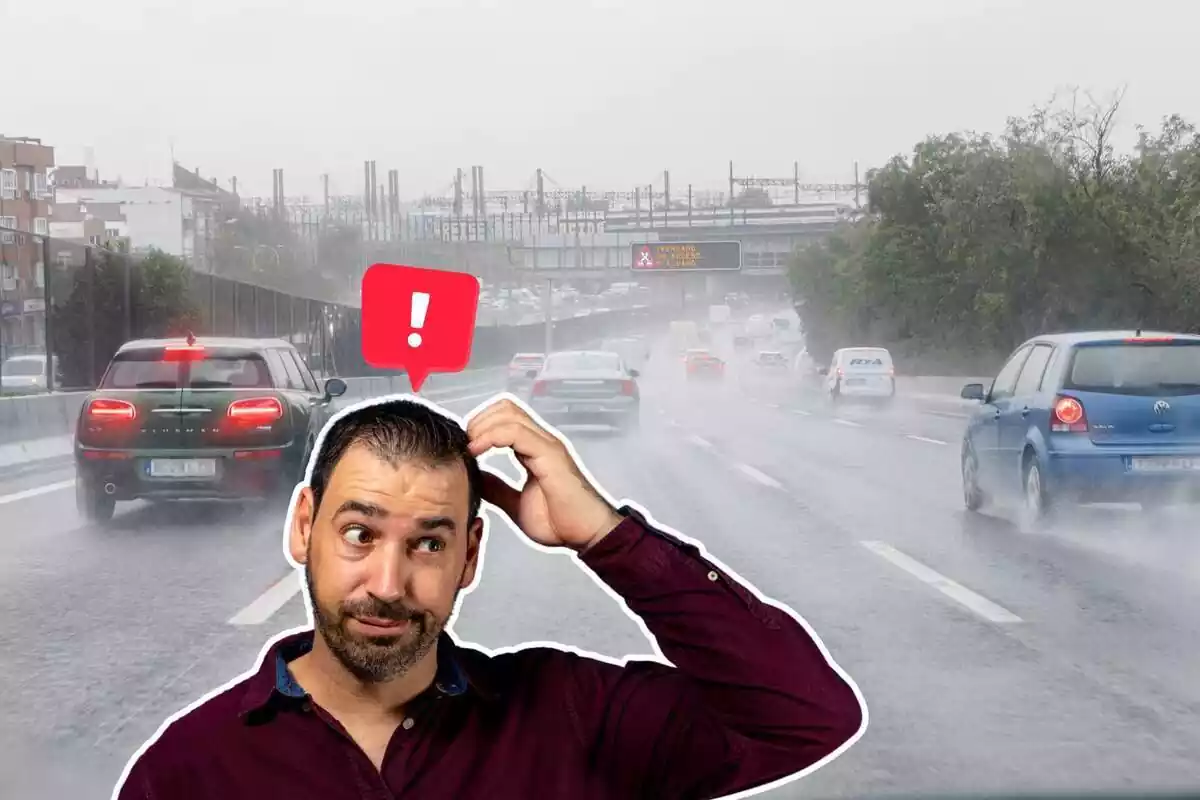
x,y
972,243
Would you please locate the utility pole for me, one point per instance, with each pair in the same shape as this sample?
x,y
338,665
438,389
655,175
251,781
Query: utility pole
x,y
325,190
374,203
666,196
796,179
458,193
541,194
856,208
549,315
483,199
367,195
475,192
731,192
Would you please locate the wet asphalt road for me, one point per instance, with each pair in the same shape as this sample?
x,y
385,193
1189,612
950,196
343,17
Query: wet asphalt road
x,y
991,660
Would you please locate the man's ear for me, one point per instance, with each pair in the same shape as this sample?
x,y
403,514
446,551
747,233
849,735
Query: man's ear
x,y
302,524
474,542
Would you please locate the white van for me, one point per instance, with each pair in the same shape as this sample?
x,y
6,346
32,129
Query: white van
x,y
861,372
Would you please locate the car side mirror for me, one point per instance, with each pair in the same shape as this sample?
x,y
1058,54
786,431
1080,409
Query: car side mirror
x,y
972,391
633,373
822,370
531,373
334,387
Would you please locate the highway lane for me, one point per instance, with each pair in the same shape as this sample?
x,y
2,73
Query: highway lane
x,y
1093,687
112,630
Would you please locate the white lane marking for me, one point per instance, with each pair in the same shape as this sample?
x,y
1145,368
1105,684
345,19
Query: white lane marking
x,y
802,412
950,414
702,442
761,477
916,438
37,490
847,422
270,601
955,591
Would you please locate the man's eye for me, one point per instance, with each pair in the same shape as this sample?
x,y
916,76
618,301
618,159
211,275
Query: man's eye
x,y
356,535
431,545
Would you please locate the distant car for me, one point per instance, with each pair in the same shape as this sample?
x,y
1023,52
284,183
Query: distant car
x,y
771,361
587,387
1105,416
520,367
743,342
23,374
861,373
703,364
222,418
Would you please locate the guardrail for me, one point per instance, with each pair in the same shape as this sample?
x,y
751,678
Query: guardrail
x,y
33,417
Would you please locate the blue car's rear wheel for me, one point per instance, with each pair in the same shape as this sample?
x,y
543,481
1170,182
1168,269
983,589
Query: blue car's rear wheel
x,y
1036,500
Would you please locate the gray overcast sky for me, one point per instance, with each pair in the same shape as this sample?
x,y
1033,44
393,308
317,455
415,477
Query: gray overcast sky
x,y
606,93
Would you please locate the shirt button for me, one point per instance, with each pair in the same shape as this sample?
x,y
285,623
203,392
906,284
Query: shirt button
x,y
408,723
712,575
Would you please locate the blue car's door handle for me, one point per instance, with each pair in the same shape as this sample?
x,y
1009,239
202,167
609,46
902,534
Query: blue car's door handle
x,y
1025,411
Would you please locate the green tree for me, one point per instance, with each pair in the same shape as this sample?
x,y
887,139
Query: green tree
x,y
974,243
117,298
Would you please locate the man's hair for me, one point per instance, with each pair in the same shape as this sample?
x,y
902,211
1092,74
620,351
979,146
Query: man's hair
x,y
397,431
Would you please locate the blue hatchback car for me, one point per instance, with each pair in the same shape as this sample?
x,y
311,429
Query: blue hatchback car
x,y
1107,416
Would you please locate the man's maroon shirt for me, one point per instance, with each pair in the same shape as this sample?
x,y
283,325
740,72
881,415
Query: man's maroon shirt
x,y
750,700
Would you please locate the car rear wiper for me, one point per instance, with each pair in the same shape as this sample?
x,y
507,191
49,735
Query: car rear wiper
x,y
210,384
1185,385
156,385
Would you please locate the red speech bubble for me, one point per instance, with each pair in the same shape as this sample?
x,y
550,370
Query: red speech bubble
x,y
418,320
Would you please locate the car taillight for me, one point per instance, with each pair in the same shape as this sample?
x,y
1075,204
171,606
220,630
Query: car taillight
x,y
627,387
255,410
841,372
1068,416
539,388
183,352
105,409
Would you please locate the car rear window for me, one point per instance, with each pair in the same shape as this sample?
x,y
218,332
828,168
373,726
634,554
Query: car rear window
x,y
146,369
23,367
867,358
583,362
1168,368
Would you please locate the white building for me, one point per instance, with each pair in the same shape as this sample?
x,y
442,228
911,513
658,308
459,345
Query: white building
x,y
176,221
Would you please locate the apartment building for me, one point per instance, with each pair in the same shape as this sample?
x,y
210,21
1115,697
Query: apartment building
x,y
24,215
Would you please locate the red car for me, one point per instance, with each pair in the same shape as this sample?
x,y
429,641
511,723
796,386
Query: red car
x,y
703,364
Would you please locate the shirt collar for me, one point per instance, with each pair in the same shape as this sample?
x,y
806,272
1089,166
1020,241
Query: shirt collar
x,y
274,679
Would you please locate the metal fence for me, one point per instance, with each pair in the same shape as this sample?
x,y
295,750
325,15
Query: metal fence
x,y
80,303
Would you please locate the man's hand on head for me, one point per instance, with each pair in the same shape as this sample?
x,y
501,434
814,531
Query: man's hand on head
x,y
557,506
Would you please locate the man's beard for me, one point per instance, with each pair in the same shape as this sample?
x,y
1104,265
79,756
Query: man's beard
x,y
374,659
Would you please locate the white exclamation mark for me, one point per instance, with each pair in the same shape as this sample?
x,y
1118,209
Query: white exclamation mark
x,y
420,305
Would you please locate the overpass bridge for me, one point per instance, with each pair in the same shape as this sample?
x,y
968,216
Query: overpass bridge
x,y
580,235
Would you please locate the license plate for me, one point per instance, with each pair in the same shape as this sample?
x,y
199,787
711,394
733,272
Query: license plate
x,y
583,408
183,467
1165,464
856,381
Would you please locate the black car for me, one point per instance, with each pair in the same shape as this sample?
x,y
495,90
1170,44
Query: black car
x,y
225,418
